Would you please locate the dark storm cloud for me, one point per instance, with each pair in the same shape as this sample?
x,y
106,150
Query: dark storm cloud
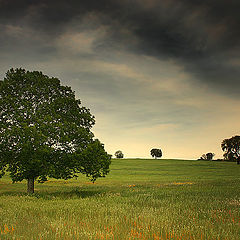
x,y
203,36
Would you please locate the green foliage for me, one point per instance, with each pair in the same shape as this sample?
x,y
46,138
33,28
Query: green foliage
x,y
45,130
94,161
155,152
231,148
208,156
119,154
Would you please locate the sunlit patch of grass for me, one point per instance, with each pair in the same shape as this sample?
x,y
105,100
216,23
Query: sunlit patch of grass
x,y
181,183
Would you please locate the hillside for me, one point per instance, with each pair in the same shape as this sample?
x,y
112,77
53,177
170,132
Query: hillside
x,y
139,199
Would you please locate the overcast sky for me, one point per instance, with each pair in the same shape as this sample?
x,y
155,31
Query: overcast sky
x,y
155,74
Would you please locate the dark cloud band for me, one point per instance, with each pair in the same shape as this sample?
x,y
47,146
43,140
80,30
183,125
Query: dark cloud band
x,y
203,36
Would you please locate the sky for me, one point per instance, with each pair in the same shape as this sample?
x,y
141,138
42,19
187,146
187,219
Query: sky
x,y
155,74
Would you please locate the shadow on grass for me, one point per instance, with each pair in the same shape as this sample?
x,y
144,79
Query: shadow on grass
x,y
72,194
12,193
61,194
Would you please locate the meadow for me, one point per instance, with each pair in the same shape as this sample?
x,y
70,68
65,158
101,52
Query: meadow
x,y
139,199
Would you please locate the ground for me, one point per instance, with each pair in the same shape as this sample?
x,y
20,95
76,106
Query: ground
x,y
139,199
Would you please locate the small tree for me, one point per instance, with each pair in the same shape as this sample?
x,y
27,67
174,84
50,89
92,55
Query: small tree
x,y
203,157
238,160
119,154
231,148
45,132
155,152
210,156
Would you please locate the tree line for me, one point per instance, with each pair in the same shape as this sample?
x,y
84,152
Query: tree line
x,y
155,152
230,147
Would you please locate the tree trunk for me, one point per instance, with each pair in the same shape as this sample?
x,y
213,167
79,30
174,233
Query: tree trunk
x,y
30,189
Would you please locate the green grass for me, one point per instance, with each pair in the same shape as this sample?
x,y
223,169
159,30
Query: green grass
x,y
139,199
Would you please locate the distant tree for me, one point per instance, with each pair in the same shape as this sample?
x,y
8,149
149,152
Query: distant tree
x,y
119,154
45,132
203,157
210,156
231,148
155,152
238,160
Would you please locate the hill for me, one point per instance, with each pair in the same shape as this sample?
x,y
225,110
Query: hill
x,y
139,199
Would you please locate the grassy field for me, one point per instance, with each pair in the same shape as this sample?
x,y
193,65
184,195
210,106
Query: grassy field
x,y
139,199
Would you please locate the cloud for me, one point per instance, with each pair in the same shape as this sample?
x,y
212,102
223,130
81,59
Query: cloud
x,y
201,36
153,72
76,43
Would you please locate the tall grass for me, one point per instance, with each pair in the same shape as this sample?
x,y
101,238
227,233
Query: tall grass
x,y
140,199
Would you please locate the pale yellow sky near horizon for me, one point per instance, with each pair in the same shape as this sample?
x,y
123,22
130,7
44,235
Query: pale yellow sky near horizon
x,y
162,108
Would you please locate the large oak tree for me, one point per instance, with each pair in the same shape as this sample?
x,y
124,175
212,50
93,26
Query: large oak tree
x,y
45,132
231,148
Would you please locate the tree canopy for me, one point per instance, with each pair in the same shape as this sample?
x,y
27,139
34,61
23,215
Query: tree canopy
x,y
156,152
119,154
231,148
45,132
208,156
